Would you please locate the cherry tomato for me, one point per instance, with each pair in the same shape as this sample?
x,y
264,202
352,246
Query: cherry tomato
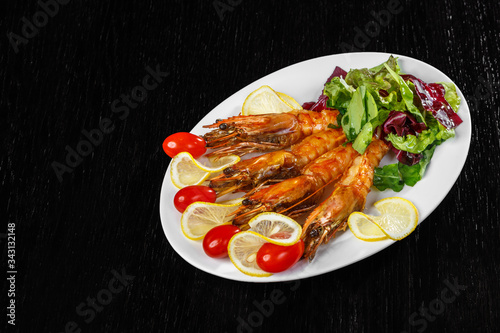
x,y
183,141
216,240
193,193
274,258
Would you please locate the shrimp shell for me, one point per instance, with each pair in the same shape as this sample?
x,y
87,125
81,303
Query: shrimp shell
x,y
281,164
241,135
297,195
348,196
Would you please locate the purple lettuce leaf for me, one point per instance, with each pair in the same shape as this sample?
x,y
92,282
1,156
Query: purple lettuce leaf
x,y
432,98
321,103
402,124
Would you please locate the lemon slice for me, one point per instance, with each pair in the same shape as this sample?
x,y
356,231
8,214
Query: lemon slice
x,y
398,218
264,100
200,217
185,170
242,250
290,101
264,228
276,228
363,228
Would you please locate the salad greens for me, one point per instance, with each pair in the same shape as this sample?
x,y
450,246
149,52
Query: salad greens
x,y
395,176
451,95
412,116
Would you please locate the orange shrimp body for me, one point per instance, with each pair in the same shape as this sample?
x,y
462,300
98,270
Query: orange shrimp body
x,y
300,194
348,196
281,164
242,135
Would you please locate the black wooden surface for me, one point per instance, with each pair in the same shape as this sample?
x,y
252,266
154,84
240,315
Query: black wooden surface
x,y
75,235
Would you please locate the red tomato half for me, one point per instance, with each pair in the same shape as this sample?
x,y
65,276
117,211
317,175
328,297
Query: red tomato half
x,y
183,141
274,258
193,193
216,240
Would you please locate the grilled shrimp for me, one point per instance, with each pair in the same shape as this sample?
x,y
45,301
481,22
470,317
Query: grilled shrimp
x,y
242,135
300,194
348,196
280,164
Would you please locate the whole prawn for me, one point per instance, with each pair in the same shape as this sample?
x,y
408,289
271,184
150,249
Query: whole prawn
x,y
348,196
242,135
300,194
280,164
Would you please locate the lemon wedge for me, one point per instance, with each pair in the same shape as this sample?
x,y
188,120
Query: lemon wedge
x,y
200,217
264,228
185,170
276,228
398,218
266,100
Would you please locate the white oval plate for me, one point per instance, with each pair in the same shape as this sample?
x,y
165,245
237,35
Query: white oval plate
x,y
304,81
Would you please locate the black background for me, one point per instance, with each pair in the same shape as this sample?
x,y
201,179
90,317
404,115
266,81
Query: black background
x,y
104,216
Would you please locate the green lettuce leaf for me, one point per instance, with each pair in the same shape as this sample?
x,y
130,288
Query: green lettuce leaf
x,y
359,120
382,116
364,138
339,94
388,177
355,117
435,134
412,174
412,143
376,79
371,107
407,95
392,62
396,176
451,95
442,133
